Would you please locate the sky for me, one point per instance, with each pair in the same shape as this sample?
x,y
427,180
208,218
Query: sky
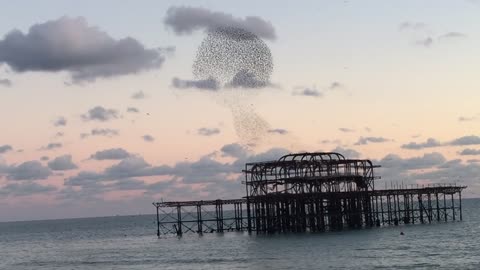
x,y
102,112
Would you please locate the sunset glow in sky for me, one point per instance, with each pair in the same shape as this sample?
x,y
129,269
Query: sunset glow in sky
x,y
94,123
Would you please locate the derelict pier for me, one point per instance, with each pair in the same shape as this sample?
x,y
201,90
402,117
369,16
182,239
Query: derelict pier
x,y
312,192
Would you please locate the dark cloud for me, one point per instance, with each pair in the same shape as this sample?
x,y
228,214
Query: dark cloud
x,y
308,92
25,189
346,130
366,140
5,148
99,113
62,163
44,158
148,138
60,121
70,44
208,131
431,142
469,152
132,110
466,140
185,20
29,170
348,153
279,131
52,146
111,154
5,82
139,95
207,84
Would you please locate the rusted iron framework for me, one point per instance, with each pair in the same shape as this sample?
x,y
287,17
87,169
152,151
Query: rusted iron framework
x,y
311,192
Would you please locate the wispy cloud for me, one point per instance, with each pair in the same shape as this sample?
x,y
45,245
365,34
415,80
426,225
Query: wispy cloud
x,y
367,140
208,131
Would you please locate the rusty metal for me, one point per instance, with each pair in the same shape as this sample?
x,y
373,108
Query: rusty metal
x,y
310,192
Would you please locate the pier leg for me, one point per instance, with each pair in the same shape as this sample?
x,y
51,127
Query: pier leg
x,y
179,220
453,208
460,202
199,219
158,223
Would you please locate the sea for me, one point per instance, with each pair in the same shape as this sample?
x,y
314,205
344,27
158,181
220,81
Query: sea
x,y
130,242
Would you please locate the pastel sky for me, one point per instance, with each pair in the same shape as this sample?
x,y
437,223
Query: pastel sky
x,y
94,123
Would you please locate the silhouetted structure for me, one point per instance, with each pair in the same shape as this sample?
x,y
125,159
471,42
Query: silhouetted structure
x,y
312,192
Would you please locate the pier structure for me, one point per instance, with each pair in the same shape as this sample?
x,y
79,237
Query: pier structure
x,y
312,192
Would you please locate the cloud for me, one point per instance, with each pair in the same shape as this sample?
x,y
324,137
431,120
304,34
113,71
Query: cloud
x,y
452,35
366,140
185,20
234,150
25,189
308,92
204,170
426,42
208,84
62,163
52,146
70,44
107,132
431,142
466,140
29,170
60,121
469,152
132,110
348,153
111,154
426,161
148,138
59,134
412,26
5,82
138,95
465,119
346,130
335,85
279,131
208,131
101,114
5,148
44,158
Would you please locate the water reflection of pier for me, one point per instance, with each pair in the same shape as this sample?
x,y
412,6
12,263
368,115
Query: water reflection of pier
x,y
312,192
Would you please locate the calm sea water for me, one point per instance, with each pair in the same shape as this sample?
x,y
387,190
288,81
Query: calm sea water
x,y
130,243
